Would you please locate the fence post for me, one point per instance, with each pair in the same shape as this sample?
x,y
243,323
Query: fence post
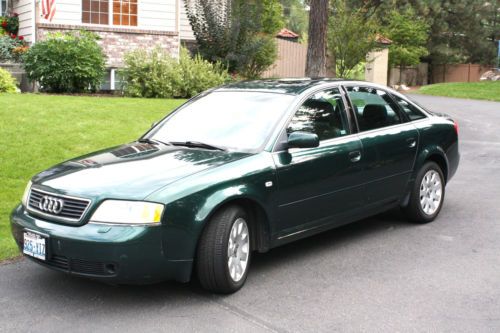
x,y
468,74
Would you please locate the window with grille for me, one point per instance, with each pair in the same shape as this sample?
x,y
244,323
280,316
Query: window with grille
x,y
125,12
122,12
95,11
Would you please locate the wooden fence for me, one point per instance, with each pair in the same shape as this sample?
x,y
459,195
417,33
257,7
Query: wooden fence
x,y
457,72
411,76
291,60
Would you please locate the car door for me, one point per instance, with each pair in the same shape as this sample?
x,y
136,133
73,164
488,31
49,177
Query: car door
x,y
319,185
389,144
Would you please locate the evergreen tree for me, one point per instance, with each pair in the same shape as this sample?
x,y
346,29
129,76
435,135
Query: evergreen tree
x,y
238,33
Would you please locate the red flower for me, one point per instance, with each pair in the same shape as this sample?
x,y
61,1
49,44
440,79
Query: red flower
x,y
13,36
21,37
4,24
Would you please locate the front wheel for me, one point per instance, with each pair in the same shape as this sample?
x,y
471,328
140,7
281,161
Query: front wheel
x,y
427,196
224,252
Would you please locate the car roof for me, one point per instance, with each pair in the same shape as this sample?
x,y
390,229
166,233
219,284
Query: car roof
x,y
293,86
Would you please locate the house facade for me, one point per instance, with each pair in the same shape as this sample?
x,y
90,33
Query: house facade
x,y
123,25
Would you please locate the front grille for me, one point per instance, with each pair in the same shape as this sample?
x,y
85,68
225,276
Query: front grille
x,y
59,262
72,208
81,266
89,267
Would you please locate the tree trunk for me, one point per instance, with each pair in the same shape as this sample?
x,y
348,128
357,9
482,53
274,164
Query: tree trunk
x,y
316,45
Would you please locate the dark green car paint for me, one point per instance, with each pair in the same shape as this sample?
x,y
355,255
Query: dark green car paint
x,y
291,193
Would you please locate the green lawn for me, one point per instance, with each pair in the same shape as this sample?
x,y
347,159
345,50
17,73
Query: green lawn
x,y
38,131
487,90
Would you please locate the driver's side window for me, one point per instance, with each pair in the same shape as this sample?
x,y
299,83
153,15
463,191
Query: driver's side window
x,y
322,114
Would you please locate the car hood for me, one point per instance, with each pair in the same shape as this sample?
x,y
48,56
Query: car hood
x,y
131,171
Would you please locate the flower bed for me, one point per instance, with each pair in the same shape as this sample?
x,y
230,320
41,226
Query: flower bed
x,y
12,46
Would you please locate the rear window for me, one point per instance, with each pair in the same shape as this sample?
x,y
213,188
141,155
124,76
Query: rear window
x,y
411,110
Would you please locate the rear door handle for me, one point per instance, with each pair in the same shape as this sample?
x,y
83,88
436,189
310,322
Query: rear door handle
x,y
355,156
411,142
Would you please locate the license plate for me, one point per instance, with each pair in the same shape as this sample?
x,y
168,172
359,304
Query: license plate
x,y
34,245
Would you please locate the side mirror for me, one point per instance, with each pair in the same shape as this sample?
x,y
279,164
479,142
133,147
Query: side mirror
x,y
302,140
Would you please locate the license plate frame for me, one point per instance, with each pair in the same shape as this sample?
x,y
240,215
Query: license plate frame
x,y
35,245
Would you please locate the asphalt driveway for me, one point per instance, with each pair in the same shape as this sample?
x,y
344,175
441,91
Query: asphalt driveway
x,y
380,274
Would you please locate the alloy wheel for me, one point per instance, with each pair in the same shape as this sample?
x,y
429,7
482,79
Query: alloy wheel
x,y
431,192
238,249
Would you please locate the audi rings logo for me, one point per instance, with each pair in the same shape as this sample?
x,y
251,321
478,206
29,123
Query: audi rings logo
x,y
51,205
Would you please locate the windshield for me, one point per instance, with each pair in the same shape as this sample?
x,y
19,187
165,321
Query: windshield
x,y
230,120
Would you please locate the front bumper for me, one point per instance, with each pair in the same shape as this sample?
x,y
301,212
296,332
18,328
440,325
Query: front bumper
x,y
113,253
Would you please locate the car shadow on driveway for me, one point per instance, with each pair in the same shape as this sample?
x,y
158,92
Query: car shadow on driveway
x,y
331,240
54,283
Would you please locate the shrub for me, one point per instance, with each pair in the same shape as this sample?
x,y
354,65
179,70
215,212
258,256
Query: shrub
x,y
157,74
258,54
7,82
71,62
198,74
9,46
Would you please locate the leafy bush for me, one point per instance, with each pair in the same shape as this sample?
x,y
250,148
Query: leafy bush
x,y
157,74
199,75
10,46
258,54
71,62
7,82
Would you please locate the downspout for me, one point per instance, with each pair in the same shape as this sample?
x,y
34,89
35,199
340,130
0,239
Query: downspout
x,y
34,17
178,26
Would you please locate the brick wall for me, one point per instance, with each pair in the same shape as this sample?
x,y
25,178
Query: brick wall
x,y
118,41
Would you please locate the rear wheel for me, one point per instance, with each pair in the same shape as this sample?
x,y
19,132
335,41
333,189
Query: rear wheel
x,y
224,252
427,196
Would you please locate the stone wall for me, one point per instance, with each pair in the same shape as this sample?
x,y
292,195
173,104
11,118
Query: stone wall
x,y
17,71
116,42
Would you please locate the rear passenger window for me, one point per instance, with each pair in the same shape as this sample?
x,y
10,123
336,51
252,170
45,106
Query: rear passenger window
x,y
373,108
411,110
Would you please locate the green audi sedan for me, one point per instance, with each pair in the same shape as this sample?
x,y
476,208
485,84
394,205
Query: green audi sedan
x,y
241,168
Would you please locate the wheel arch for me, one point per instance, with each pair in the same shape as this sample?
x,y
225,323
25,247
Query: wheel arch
x,y
441,161
259,220
434,154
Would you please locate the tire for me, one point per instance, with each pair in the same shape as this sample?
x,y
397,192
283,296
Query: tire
x,y
225,243
424,205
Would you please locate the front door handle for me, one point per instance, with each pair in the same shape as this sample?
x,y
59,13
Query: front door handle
x,y
355,156
411,142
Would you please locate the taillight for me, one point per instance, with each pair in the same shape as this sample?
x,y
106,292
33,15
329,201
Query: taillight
x,y
455,125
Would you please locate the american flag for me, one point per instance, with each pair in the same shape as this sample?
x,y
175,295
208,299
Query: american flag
x,y
48,9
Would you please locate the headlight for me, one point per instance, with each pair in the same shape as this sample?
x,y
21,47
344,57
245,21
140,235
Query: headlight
x,y
128,212
24,200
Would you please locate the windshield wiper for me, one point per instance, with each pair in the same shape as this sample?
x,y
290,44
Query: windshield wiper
x,y
151,141
196,144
